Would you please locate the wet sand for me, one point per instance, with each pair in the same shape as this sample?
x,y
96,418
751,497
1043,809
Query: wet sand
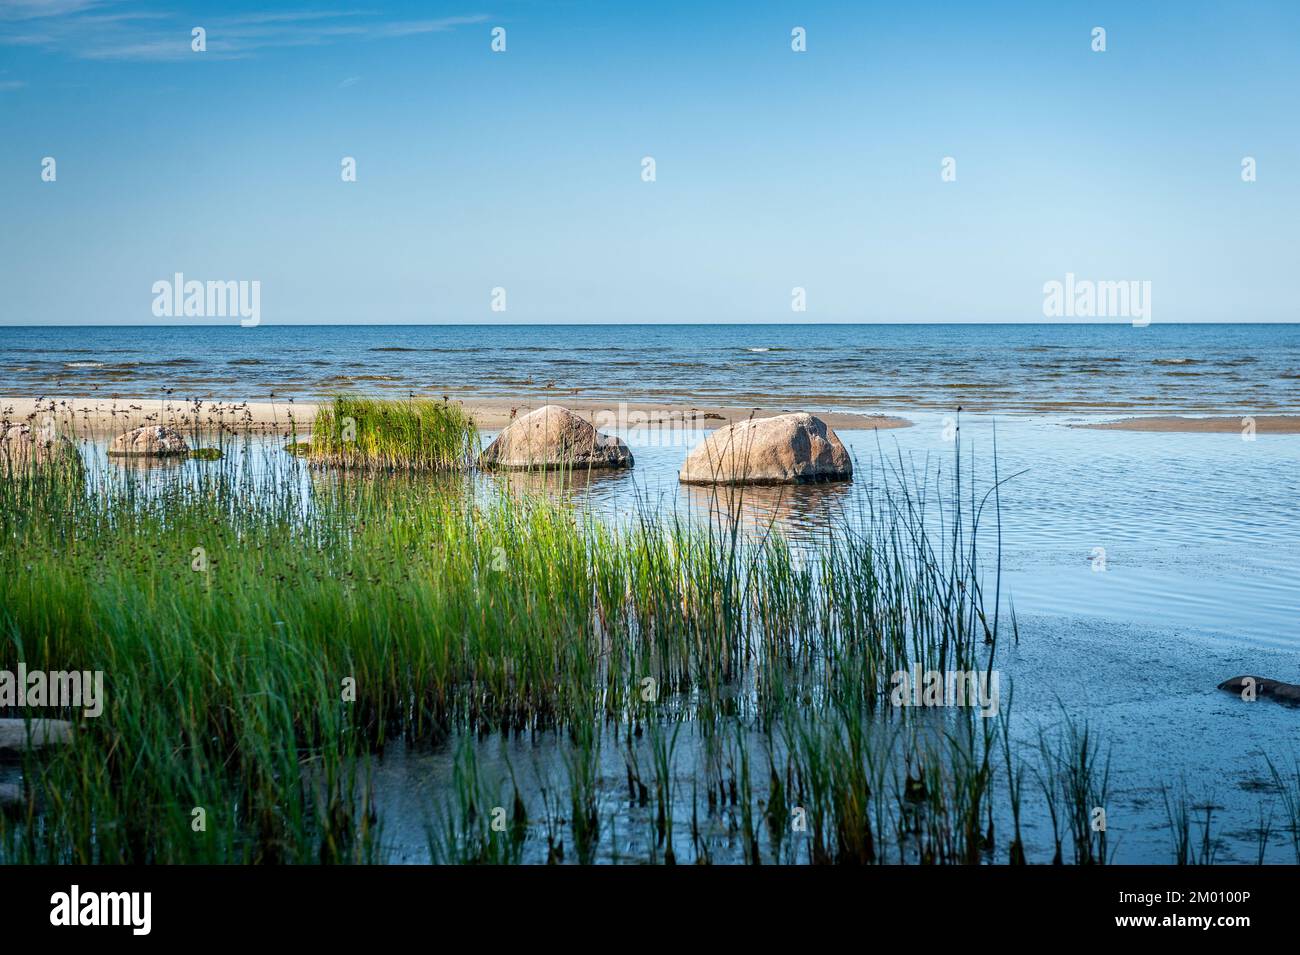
x,y
105,416
1264,424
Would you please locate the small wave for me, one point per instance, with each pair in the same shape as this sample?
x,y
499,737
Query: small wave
x,y
758,349
444,351
245,361
1174,361
83,364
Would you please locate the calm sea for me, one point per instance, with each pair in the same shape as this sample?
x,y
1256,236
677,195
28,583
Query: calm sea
x,y
1063,368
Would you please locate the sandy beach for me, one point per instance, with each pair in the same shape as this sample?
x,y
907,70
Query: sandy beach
x,y
1264,424
105,416
97,417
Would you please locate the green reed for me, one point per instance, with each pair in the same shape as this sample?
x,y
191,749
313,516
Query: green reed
x,y
418,434
266,628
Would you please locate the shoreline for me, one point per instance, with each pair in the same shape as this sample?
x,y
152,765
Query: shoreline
x,y
106,416
98,417
1179,424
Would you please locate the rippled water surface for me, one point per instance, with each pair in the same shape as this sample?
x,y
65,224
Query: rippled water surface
x,y
1143,570
1079,368
1189,530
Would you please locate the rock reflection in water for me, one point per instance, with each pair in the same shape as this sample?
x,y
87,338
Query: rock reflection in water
x,y
801,512
149,462
598,481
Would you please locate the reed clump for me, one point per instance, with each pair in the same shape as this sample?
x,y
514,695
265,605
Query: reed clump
x,y
417,434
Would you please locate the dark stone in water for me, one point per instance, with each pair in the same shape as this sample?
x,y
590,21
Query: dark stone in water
x,y
12,799
16,735
1264,687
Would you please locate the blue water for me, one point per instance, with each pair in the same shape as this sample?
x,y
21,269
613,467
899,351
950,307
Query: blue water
x,y
1195,530
1082,369
1199,534
1199,581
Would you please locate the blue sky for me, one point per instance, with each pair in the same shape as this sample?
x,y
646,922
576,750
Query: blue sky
x,y
522,169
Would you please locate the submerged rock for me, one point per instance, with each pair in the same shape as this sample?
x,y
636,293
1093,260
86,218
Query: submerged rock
x,y
23,447
553,436
1263,688
153,440
14,736
795,448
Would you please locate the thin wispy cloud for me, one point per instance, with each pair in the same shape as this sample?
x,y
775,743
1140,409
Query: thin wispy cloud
x,y
7,84
412,27
34,9
106,30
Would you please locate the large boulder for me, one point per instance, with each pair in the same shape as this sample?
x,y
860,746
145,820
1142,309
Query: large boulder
x,y
554,436
152,441
793,448
23,447
16,735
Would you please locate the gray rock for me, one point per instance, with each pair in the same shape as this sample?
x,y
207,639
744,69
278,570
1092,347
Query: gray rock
x,y
553,436
795,448
1264,688
155,441
14,736
22,447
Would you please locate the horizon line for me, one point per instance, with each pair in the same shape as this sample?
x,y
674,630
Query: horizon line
x,y
1050,324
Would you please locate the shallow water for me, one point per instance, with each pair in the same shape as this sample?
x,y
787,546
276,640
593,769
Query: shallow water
x,y
1188,530
1199,581
1198,530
